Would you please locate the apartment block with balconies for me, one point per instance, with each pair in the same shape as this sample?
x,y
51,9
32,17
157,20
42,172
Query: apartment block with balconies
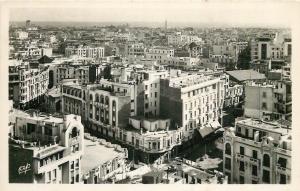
x,y
192,102
257,152
45,149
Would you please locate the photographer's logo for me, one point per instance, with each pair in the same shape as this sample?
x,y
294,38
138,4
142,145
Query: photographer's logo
x,y
24,169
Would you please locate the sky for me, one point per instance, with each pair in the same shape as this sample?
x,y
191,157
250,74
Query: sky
x,y
204,13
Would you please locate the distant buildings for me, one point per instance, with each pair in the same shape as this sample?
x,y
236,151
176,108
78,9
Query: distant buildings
x,y
27,83
85,51
135,50
269,52
181,39
257,152
159,54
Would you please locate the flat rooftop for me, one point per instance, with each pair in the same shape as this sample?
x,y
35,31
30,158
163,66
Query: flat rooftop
x,y
269,126
96,154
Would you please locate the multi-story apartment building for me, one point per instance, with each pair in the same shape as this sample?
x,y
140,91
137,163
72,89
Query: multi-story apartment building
x,y
45,149
135,50
159,54
233,95
257,152
269,101
109,108
179,39
85,51
21,35
27,84
268,51
148,92
193,102
85,73
195,50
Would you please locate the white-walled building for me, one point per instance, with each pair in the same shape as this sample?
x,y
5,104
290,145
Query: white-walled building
x,y
257,152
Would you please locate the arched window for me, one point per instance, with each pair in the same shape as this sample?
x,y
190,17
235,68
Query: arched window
x,y
114,103
74,132
72,92
266,161
227,149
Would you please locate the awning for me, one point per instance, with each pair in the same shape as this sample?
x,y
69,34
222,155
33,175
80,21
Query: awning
x,y
215,125
208,129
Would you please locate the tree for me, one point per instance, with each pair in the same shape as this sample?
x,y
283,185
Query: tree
x,y
244,59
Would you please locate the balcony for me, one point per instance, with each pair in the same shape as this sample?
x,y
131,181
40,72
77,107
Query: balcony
x,y
254,161
240,157
282,170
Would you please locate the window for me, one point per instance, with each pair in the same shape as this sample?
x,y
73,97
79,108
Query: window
x,y
282,162
242,180
242,166
54,174
155,94
72,165
254,170
74,132
264,105
254,154
30,128
282,179
266,176
264,95
242,150
228,163
266,160
49,176
247,133
146,87
227,149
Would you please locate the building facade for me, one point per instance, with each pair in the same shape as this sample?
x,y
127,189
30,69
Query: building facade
x,y
192,101
269,101
257,152
45,149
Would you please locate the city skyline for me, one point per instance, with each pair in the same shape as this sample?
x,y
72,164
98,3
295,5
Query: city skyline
x,y
209,15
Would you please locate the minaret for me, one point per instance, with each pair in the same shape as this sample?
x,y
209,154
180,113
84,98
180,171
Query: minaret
x,y
166,25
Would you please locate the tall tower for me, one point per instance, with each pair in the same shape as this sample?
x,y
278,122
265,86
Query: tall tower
x,y
27,23
166,25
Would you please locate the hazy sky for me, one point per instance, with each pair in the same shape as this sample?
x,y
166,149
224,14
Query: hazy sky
x,y
207,13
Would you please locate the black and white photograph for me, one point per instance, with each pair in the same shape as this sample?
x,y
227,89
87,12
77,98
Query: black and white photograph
x,y
149,93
